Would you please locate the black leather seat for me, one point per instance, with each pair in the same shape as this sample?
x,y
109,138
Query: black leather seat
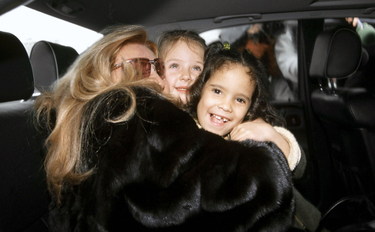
x,y
50,61
23,192
347,114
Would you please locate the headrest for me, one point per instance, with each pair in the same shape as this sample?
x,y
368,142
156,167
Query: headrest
x,y
336,54
50,61
16,76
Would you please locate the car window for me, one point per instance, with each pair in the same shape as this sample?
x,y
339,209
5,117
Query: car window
x,y
275,44
31,26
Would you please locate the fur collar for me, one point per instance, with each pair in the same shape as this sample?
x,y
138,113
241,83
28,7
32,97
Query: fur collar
x,y
159,171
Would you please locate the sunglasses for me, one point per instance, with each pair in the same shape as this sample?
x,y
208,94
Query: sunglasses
x,y
144,65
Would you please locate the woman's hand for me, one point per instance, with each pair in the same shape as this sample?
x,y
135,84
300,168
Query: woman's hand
x,y
259,130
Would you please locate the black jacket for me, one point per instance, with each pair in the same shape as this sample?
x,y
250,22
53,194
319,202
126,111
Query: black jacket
x,y
158,171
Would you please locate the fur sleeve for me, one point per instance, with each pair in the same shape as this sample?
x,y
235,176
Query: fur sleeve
x,y
158,171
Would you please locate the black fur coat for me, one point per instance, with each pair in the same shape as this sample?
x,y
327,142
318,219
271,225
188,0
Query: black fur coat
x,y
158,171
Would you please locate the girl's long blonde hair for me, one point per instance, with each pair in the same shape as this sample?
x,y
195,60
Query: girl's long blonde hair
x,y
63,107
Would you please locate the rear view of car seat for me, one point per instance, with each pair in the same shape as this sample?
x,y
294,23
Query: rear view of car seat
x,y
347,114
23,191
50,61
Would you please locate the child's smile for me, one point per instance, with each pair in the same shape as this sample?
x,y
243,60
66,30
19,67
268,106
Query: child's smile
x,y
218,119
225,99
183,64
182,89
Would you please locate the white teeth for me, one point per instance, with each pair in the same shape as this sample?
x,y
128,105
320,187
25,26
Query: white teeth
x,y
220,118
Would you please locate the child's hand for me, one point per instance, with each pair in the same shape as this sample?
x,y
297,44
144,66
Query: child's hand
x,y
259,130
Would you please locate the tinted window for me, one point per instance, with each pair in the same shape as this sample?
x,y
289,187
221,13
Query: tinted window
x,y
275,43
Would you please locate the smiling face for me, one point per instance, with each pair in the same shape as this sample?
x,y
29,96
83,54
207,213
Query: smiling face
x,y
225,99
183,64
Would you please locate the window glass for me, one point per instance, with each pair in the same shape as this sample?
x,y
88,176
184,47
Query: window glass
x,y
31,26
275,44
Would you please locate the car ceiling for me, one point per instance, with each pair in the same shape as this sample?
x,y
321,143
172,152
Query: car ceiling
x,y
198,14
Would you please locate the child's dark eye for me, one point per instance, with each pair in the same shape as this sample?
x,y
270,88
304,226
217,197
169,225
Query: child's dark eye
x,y
217,91
240,100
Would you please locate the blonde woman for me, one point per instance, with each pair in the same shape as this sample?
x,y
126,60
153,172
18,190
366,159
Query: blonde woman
x,y
120,156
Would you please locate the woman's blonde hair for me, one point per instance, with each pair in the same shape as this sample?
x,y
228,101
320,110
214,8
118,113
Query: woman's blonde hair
x,y
63,107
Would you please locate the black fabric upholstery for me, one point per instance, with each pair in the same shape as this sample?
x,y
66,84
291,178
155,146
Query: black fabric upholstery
x,y
336,54
50,61
347,114
23,191
16,80
347,107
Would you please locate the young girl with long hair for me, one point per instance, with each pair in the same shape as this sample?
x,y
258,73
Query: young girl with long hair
x,y
238,81
233,90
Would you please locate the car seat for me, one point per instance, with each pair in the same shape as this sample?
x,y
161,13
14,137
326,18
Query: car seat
x,y
23,190
50,61
346,114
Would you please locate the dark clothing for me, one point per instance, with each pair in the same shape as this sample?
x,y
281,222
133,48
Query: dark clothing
x,y
158,171
306,216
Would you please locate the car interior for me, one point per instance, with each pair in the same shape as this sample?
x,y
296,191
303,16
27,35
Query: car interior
x,y
330,106
50,61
